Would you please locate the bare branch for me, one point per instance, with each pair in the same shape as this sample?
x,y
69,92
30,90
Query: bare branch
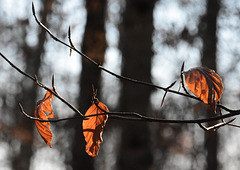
x,y
101,67
120,115
216,126
133,116
49,120
71,46
234,125
15,67
35,79
182,80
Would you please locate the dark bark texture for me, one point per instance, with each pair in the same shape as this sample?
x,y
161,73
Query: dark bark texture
x,y
94,45
28,96
135,44
208,28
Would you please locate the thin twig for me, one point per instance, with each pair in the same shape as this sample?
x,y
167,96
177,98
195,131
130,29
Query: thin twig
x,y
139,117
234,125
182,80
53,84
101,67
35,79
49,120
70,40
71,46
165,94
216,126
133,116
117,115
15,67
69,37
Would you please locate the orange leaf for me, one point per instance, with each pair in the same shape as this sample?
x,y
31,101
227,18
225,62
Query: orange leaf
x,y
205,84
93,127
44,111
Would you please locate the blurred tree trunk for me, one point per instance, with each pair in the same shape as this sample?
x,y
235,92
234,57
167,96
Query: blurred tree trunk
x,y
208,28
94,45
28,96
135,44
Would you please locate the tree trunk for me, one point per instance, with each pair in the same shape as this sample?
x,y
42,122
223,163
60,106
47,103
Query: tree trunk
x,y
94,45
28,96
136,32
209,35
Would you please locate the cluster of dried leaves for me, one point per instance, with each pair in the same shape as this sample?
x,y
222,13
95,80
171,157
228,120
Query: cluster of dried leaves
x,y
93,125
202,82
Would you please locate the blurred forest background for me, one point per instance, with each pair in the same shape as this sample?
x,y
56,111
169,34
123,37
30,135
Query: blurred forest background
x,y
146,40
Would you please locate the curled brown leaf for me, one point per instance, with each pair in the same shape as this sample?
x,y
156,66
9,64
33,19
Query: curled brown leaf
x,y
205,84
44,111
93,127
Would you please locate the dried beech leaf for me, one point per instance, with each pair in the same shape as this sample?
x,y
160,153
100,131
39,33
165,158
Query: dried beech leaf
x,y
93,128
44,111
205,84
